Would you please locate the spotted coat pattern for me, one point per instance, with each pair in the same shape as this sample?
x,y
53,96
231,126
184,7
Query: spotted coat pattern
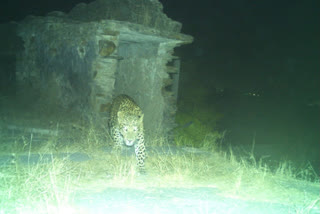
x,y
126,126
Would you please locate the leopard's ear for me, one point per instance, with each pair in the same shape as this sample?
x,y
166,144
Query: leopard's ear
x,y
120,114
141,117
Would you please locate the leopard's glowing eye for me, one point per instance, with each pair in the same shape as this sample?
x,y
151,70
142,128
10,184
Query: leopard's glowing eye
x,y
125,129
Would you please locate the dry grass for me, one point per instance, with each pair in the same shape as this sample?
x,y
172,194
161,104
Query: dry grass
x,y
41,187
50,188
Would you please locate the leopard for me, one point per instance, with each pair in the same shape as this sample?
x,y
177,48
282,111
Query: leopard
x,y
126,127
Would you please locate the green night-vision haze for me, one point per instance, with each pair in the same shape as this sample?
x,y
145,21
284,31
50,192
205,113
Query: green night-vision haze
x,y
253,65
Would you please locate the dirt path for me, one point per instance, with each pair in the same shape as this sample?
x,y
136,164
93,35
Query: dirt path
x,y
173,200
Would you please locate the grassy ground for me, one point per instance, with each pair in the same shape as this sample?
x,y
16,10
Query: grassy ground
x,y
51,187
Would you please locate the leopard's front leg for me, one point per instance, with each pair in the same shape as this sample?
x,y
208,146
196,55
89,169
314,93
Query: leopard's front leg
x,y
140,151
117,139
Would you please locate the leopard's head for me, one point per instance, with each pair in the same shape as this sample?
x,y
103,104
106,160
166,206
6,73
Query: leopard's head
x,y
130,126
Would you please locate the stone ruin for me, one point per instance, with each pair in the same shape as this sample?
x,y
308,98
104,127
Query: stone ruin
x,y
80,60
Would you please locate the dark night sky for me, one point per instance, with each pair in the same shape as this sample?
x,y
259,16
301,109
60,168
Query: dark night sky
x,y
239,22
239,18
256,37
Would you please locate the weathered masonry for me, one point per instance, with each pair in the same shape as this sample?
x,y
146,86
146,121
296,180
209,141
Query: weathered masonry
x,y
82,59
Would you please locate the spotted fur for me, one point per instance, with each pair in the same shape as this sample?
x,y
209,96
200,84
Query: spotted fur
x,y
126,126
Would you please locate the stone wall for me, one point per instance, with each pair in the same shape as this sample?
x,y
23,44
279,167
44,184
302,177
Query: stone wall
x,y
57,59
80,61
148,13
